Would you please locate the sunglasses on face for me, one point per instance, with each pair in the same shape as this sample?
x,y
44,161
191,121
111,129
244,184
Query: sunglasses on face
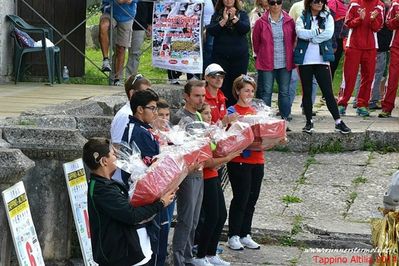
x,y
217,75
278,2
247,78
137,77
318,2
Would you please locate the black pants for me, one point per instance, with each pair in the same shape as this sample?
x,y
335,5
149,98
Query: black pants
x,y
234,67
172,74
214,214
246,181
323,77
338,54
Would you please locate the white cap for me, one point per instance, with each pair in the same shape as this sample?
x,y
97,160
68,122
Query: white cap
x,y
213,69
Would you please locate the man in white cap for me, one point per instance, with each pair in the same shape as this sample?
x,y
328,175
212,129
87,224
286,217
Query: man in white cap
x,y
214,76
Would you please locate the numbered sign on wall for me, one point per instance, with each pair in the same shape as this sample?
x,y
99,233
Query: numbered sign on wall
x,y
77,190
23,231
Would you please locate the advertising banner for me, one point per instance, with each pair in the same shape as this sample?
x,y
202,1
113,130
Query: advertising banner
x,y
177,36
23,230
77,190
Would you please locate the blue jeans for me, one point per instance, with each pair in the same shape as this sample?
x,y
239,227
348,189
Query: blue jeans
x,y
265,89
294,83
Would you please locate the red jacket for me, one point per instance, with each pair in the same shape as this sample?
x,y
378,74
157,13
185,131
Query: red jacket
x,y
217,104
363,32
262,38
392,23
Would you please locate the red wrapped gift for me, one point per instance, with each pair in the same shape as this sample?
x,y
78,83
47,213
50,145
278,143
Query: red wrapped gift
x,y
238,137
197,152
165,174
273,128
268,132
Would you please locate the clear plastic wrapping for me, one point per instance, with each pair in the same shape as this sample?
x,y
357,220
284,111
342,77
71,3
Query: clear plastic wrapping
x,y
238,137
165,174
268,130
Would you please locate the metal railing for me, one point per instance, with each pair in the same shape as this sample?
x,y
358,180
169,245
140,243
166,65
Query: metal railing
x,y
64,36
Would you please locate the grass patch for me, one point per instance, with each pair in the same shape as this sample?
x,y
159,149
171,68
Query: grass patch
x,y
287,199
293,261
26,122
288,239
359,180
333,146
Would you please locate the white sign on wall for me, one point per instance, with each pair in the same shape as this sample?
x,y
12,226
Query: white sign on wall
x,y
77,190
23,231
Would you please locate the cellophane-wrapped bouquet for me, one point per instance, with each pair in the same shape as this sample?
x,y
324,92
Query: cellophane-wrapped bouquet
x,y
268,130
169,168
238,137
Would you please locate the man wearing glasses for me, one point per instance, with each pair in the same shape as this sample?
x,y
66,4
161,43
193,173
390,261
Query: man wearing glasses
x,y
214,76
132,85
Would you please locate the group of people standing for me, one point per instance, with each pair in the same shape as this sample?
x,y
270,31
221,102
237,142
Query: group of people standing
x,y
127,235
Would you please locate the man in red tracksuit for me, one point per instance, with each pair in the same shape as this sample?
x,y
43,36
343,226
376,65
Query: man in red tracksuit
x,y
392,22
363,18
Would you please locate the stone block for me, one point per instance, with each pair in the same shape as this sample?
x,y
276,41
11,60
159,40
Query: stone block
x,y
387,137
62,144
94,126
171,93
73,108
114,102
13,165
41,121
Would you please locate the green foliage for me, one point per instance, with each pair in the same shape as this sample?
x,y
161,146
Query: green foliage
x,y
287,240
332,146
359,180
26,122
287,199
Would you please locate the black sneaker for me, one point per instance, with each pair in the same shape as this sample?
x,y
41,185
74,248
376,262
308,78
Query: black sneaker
x,y
342,128
308,128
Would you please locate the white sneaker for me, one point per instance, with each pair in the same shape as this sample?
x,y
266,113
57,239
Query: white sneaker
x,y
106,66
216,260
249,243
200,262
234,243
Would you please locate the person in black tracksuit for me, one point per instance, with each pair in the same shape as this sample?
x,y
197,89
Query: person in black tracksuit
x,y
113,221
229,26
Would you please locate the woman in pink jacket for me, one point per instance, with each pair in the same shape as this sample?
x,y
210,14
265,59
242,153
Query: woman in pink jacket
x,y
273,41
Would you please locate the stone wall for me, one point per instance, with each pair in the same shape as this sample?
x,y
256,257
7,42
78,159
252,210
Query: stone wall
x,y
6,50
46,139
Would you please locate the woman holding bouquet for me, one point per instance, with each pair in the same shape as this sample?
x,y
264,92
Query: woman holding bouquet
x,y
213,207
245,174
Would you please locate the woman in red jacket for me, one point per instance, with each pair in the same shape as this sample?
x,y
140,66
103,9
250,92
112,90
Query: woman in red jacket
x,y
273,41
364,19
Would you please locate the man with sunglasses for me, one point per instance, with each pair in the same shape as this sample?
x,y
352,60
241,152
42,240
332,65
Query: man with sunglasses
x,y
214,77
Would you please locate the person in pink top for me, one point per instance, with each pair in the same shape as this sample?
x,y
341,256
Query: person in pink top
x,y
364,19
273,41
